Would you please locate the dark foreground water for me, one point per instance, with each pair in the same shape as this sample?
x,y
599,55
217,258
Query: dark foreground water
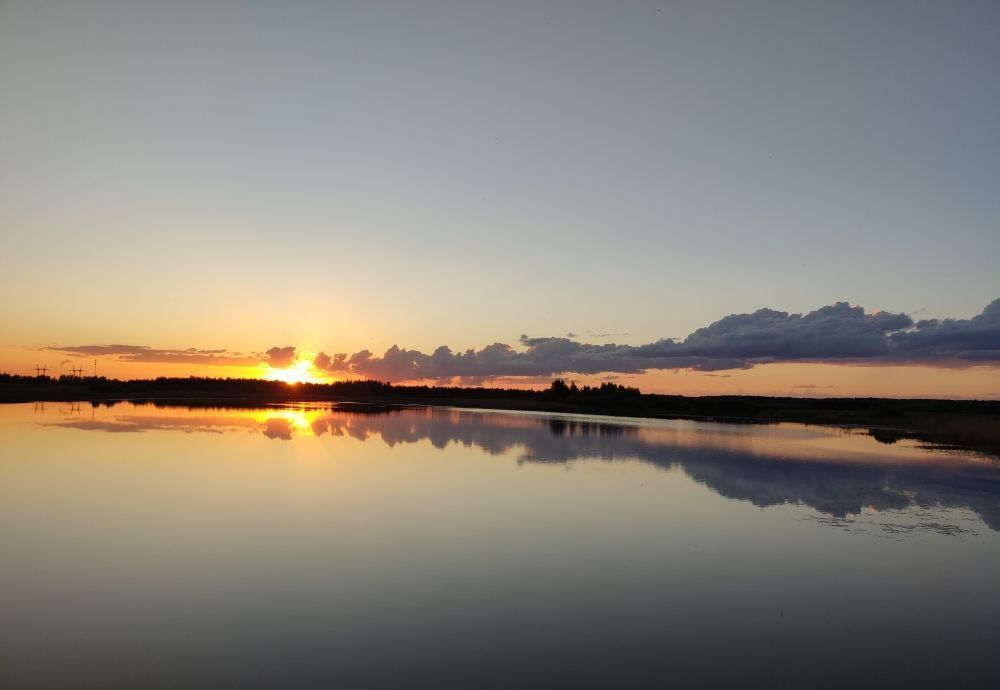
x,y
145,547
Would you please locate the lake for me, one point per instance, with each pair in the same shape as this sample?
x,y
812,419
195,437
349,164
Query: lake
x,y
353,546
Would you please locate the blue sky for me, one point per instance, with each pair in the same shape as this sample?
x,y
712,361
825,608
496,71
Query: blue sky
x,y
352,175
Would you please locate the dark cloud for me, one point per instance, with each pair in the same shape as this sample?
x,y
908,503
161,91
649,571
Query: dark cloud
x,y
542,357
835,333
839,331
281,357
972,340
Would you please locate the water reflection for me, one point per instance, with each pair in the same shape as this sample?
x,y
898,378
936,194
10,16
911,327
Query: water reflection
x,y
842,474
317,546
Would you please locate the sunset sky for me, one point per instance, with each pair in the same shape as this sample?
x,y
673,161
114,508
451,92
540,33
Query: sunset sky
x,y
697,197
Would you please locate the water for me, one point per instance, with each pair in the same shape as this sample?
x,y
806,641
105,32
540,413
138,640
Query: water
x,y
146,547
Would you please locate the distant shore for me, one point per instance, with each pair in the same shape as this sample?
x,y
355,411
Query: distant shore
x,y
961,424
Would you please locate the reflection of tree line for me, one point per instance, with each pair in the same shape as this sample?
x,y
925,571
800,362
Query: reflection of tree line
x,y
718,461
961,423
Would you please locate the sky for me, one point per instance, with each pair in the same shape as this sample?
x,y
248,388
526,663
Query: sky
x,y
200,183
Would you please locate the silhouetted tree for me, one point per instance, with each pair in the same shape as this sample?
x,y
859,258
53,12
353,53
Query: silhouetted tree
x,y
558,390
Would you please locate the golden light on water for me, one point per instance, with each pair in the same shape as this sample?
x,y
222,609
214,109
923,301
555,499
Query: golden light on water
x,y
287,423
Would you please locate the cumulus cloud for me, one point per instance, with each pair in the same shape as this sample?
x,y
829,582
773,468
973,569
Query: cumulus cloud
x,y
839,331
974,340
835,333
281,357
335,364
542,357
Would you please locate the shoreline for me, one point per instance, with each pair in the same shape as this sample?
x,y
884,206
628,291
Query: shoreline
x,y
956,424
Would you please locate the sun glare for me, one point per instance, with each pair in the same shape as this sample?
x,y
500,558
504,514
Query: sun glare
x,y
302,371
293,421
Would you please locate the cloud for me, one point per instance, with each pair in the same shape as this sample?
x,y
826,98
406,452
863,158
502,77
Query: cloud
x,y
278,357
973,340
336,364
838,333
592,334
281,357
142,353
543,357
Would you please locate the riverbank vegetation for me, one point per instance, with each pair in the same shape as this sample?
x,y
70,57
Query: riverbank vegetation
x,y
960,423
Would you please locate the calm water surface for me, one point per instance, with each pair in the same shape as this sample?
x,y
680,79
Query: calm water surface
x,y
148,547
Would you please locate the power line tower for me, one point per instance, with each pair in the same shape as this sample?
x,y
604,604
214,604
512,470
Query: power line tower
x,y
77,371
40,370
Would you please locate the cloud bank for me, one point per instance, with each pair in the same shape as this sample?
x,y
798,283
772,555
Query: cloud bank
x,y
839,333
142,353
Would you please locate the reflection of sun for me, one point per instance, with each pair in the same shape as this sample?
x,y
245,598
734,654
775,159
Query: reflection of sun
x,y
299,421
301,371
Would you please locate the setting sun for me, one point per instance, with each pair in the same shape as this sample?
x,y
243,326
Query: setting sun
x,y
301,371
430,343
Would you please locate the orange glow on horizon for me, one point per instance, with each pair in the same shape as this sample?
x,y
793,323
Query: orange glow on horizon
x,y
301,371
803,379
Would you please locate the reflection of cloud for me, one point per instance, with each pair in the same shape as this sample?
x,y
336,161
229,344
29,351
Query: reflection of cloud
x,y
836,333
137,423
765,465
277,427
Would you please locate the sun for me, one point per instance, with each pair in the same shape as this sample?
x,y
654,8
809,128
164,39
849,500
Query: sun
x,y
301,371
